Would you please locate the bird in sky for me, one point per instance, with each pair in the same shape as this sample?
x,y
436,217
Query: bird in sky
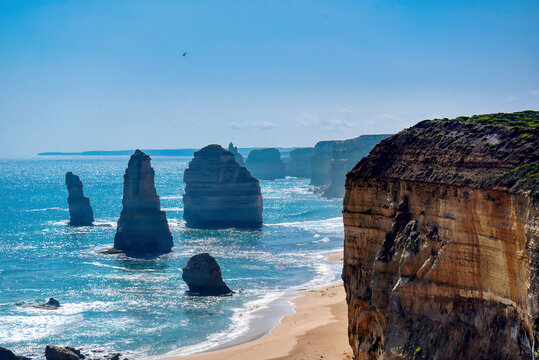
x,y
184,53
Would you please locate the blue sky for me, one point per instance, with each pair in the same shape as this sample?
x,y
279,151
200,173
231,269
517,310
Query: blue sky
x,y
104,75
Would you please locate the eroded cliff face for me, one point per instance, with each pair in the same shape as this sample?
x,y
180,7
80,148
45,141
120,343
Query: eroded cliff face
x,y
441,251
344,156
299,164
80,211
265,164
142,227
219,193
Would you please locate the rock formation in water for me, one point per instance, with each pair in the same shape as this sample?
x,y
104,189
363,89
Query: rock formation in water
x,y
6,354
59,353
299,163
219,193
80,211
203,276
52,304
344,156
265,164
237,156
142,226
441,249
320,163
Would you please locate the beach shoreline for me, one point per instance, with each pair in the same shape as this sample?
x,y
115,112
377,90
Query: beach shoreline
x,y
317,328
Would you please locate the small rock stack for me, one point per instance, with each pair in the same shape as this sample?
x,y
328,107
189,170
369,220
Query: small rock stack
x,y
80,211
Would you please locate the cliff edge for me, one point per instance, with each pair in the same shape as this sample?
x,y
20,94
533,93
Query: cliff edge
x,y
441,249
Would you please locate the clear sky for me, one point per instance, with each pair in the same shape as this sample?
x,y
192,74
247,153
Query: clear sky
x,y
109,75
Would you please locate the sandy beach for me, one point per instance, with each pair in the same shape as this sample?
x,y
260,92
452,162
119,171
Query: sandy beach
x,y
316,330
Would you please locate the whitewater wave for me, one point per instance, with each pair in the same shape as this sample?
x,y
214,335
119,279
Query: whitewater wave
x,y
98,264
241,324
172,209
19,328
47,209
326,225
323,240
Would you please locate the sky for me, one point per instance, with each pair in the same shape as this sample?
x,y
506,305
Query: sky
x,y
110,75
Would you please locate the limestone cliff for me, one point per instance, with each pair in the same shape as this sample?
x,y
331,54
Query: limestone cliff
x,y
299,163
237,156
80,211
142,226
219,193
265,164
320,163
441,249
344,156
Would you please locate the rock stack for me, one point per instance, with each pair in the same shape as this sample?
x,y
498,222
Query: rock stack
x,y
265,164
237,156
142,226
203,276
219,193
80,211
299,164
441,247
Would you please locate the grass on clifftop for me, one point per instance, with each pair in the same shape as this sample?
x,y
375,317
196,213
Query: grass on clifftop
x,y
527,119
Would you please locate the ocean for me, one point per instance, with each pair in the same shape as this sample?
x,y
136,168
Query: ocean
x,y
113,303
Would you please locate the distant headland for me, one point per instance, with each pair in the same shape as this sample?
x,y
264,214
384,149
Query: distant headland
x,y
153,152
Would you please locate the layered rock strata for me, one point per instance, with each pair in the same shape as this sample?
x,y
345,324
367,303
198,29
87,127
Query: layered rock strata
x,y
237,156
299,163
80,211
344,156
441,249
142,226
219,193
265,164
203,276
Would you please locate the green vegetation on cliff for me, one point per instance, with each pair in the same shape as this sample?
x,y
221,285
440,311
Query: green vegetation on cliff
x,y
498,150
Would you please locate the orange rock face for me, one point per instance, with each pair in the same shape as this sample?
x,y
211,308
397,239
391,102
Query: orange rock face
x,y
438,266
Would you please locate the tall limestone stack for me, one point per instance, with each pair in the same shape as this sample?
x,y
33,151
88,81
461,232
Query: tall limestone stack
x,y
441,249
142,226
344,156
265,164
80,211
237,156
219,193
320,163
299,164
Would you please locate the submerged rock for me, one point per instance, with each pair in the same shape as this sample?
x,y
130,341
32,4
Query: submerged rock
x,y
265,164
6,354
219,193
142,226
59,353
80,211
203,276
299,164
344,156
51,304
237,156
441,248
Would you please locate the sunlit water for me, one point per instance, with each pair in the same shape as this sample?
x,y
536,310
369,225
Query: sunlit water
x,y
139,307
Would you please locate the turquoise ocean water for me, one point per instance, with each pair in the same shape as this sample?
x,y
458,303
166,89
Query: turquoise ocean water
x,y
139,307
